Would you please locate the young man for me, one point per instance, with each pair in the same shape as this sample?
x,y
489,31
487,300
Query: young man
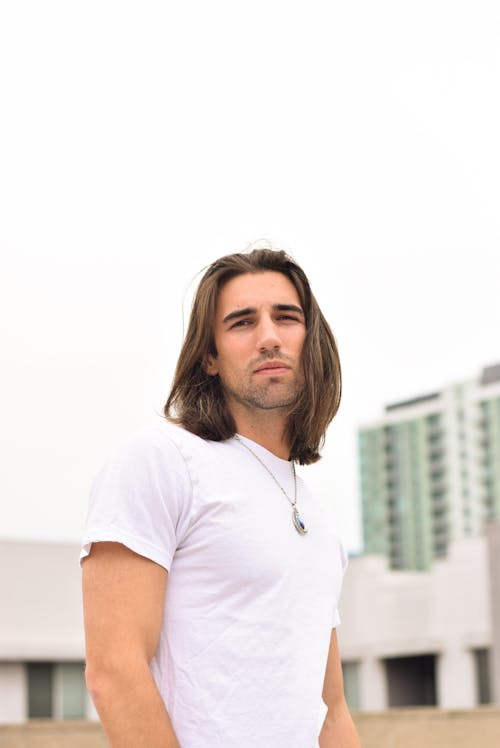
x,y
238,647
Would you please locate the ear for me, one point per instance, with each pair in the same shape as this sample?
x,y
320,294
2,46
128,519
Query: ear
x,y
210,365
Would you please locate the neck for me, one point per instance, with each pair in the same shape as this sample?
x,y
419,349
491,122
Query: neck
x,y
264,427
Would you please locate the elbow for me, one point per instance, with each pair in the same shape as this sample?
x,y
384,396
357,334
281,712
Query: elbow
x,y
104,679
98,682
337,710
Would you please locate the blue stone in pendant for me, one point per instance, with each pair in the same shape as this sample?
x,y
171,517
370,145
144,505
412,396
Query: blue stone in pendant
x,y
299,525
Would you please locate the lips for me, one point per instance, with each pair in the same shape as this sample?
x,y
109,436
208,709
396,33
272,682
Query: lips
x,y
272,366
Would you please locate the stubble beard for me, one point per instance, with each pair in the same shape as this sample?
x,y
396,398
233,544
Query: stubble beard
x,y
269,395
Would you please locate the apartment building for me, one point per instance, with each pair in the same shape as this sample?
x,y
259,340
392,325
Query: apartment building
x,y
430,471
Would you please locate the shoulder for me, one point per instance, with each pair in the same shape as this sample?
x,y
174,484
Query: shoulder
x,y
178,435
150,465
163,448
174,455
142,495
158,439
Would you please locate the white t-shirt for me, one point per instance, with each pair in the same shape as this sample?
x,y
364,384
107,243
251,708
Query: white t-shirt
x,y
250,603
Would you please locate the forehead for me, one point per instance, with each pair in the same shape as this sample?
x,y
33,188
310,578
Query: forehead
x,y
256,290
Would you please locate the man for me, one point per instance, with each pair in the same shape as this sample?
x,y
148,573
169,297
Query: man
x,y
238,647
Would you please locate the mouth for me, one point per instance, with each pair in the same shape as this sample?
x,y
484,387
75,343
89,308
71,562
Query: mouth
x,y
272,367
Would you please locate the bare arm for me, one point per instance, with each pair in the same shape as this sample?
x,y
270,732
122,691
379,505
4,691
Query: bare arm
x,y
123,598
338,729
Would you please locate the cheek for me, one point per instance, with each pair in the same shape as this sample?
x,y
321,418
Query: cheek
x,y
227,362
236,353
298,344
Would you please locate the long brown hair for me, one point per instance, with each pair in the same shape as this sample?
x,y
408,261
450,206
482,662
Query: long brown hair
x,y
197,399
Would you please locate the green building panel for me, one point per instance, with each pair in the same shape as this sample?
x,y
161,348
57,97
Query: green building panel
x,y
402,492
373,492
491,457
430,472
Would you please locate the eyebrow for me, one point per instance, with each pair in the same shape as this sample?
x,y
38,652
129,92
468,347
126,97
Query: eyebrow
x,y
252,310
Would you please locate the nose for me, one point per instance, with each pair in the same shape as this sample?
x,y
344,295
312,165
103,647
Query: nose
x,y
268,337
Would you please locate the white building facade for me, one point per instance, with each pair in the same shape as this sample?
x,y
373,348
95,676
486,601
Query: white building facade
x,y
42,650
406,637
413,638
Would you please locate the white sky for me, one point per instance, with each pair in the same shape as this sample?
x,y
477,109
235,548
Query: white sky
x,y
140,141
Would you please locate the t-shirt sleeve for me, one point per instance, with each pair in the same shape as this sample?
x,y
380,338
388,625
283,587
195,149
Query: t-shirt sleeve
x,y
141,497
343,561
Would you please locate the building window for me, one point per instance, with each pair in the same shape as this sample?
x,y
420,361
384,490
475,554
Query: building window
x,y
56,690
40,691
411,681
350,672
71,691
483,683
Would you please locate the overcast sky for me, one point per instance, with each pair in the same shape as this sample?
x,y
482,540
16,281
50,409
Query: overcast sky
x,y
140,141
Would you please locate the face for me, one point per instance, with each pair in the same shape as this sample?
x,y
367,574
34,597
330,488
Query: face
x,y
259,334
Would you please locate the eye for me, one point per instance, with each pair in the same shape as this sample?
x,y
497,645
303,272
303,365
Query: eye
x,y
241,323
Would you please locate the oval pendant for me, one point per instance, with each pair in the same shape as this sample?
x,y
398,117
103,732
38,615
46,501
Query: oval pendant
x,y
298,524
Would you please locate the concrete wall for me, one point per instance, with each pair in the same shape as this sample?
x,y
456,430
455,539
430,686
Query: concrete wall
x,y
432,728
53,735
411,728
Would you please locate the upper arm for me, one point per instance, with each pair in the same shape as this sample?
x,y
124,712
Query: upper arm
x,y
333,686
123,599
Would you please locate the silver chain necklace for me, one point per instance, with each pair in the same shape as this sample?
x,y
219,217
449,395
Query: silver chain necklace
x,y
297,521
